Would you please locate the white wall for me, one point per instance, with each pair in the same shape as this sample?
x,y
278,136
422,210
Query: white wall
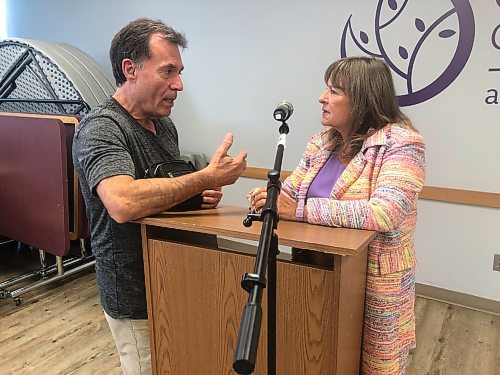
x,y
244,57
3,20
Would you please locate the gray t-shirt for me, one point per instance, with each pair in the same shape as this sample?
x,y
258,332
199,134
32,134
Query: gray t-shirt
x,y
109,142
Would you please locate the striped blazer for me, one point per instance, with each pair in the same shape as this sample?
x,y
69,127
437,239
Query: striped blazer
x,y
377,191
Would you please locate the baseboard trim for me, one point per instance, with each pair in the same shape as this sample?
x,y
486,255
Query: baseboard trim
x,y
457,298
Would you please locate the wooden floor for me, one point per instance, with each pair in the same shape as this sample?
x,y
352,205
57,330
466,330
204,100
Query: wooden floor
x,y
57,329
60,329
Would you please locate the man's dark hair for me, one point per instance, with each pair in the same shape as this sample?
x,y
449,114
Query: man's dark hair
x,y
132,42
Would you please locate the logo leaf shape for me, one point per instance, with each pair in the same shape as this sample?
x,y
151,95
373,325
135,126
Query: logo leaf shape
x,y
420,25
364,37
403,52
447,33
393,4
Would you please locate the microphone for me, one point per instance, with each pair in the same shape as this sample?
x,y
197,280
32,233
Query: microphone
x,y
283,111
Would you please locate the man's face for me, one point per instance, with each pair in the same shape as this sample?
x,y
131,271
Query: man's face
x,y
159,79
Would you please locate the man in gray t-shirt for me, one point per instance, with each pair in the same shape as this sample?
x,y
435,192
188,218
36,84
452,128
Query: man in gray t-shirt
x,y
113,146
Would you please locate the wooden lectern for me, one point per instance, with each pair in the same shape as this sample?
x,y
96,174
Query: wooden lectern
x,y
195,299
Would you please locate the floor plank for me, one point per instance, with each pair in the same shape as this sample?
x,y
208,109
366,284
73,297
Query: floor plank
x,y
430,317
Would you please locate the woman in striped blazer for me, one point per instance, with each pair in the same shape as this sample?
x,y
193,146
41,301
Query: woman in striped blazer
x,y
365,170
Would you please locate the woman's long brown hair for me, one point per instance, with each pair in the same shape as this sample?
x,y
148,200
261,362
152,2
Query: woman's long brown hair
x,y
368,84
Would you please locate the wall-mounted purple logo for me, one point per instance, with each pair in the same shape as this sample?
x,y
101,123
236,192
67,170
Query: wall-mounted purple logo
x,y
452,28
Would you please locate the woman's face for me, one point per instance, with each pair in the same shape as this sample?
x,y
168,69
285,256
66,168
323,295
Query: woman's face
x,y
336,107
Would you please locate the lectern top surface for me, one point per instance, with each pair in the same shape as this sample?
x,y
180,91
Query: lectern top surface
x,y
228,221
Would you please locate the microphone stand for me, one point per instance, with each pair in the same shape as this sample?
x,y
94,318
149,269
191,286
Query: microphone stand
x,y
254,283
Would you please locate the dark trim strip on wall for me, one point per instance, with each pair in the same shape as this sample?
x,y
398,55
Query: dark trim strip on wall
x,y
470,197
433,193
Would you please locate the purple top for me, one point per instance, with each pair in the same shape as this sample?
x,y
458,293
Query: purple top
x,y
323,183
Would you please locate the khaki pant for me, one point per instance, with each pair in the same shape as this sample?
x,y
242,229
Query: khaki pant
x,y
132,341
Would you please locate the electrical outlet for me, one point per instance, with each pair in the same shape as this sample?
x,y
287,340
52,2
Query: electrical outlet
x,y
496,262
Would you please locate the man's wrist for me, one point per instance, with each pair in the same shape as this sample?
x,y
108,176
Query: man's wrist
x,y
206,179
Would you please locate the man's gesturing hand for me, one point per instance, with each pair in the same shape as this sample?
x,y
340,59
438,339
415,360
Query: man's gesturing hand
x,y
225,169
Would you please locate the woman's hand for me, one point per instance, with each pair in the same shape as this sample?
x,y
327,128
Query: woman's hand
x,y
257,198
286,207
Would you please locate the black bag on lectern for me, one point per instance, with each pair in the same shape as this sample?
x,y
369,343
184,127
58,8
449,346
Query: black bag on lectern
x,y
176,168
